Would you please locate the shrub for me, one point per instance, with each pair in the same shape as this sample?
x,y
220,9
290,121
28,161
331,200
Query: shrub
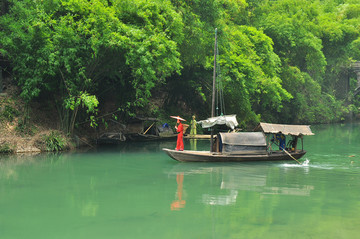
x,y
55,141
9,113
6,148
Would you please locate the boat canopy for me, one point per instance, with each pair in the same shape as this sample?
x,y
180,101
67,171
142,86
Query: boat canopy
x,y
286,129
229,120
242,143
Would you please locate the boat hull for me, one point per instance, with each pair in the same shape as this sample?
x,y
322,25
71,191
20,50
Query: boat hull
x,y
207,156
148,137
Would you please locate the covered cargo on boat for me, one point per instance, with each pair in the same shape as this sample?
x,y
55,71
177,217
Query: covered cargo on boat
x,y
242,143
228,120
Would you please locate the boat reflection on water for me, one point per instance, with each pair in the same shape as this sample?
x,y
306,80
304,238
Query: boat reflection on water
x,y
223,184
221,200
179,202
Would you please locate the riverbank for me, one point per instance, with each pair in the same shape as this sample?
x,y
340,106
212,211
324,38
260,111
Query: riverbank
x,y
40,132
33,136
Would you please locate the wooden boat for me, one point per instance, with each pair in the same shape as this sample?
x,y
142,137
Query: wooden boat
x,y
137,130
111,138
249,146
197,136
244,146
207,156
150,137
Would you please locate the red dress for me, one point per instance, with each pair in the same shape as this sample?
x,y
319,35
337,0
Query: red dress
x,y
180,142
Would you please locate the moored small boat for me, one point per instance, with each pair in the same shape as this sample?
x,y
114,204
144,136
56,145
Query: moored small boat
x,y
250,146
137,130
207,156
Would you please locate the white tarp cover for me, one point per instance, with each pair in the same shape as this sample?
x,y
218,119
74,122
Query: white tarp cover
x,y
229,120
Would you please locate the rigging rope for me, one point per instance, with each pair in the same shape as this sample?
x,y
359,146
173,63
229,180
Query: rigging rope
x,y
219,86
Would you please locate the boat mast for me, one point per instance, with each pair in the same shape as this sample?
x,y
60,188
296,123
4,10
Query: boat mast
x,y
213,93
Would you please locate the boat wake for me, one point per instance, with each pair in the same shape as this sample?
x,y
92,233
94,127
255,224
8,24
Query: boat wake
x,y
306,165
292,165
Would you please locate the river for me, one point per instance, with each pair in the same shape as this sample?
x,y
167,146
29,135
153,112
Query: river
x,y
137,191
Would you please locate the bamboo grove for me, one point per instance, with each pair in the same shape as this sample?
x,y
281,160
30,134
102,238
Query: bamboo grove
x,y
287,61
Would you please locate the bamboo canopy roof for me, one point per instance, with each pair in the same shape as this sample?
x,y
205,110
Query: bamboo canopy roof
x,y
286,129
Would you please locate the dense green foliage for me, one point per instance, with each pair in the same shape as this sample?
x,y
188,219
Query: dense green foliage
x,y
283,61
8,113
6,148
71,50
54,141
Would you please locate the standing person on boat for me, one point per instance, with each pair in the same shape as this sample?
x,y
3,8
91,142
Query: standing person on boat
x,y
180,129
281,139
193,126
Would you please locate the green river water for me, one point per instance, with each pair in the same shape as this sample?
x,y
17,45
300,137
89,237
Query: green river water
x,y
137,191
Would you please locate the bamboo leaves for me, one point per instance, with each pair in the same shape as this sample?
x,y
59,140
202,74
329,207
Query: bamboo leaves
x,y
72,47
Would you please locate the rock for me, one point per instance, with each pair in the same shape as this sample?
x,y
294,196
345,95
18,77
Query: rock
x,y
27,149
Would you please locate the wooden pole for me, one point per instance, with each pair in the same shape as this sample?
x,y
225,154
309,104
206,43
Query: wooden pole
x,y
149,128
291,156
302,143
296,142
213,93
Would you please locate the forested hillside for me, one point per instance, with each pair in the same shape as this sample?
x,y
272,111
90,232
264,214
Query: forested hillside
x,y
286,61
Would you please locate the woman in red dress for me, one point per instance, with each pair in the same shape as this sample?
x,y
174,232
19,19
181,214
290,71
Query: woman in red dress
x,y
180,130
